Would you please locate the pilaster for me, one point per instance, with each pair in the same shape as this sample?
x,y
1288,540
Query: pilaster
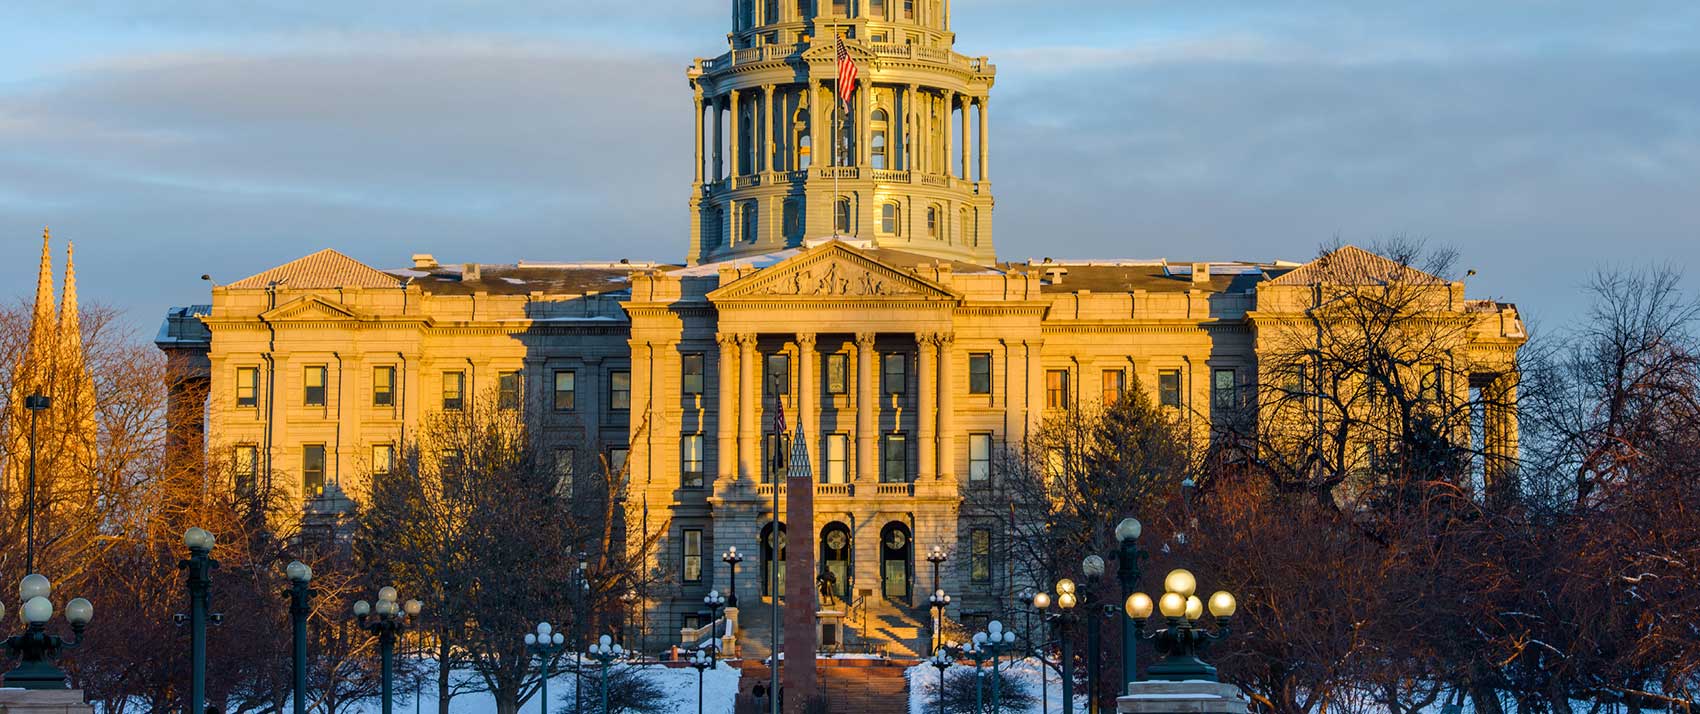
x,y
926,381
867,409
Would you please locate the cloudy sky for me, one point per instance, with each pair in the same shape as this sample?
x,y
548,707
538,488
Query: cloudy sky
x,y
1540,138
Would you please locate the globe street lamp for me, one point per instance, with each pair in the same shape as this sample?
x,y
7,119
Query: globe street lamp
x,y
545,643
605,651
300,595
976,650
937,602
199,566
1066,600
716,610
701,660
583,592
995,639
1041,603
1093,568
390,620
1127,571
732,558
35,648
35,403
1183,641
940,661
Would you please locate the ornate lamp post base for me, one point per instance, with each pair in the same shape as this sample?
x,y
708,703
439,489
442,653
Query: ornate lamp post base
x,y
1182,698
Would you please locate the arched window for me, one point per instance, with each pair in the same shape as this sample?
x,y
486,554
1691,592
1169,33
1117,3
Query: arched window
x,y
800,141
746,14
933,222
841,216
891,218
879,124
770,12
747,221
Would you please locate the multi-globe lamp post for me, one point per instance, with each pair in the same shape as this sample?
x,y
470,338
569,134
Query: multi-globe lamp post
x,y
937,602
978,652
994,640
940,661
605,651
300,606
1092,566
1041,602
1066,601
732,558
35,648
716,610
545,643
1184,639
386,619
701,661
1127,572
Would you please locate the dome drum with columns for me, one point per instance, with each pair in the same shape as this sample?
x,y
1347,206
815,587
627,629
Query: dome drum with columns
x,y
778,161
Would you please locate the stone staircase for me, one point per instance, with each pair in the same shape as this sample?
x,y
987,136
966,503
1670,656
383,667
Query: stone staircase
x,y
895,628
847,686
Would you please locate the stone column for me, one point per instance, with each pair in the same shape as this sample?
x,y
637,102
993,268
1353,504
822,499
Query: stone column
x,y
985,139
696,136
948,132
726,413
766,139
926,383
867,407
737,126
749,394
1035,387
967,144
864,120
947,406
642,402
808,394
719,140
816,135
911,132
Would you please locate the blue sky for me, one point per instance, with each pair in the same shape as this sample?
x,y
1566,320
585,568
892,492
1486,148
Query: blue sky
x,y
1543,139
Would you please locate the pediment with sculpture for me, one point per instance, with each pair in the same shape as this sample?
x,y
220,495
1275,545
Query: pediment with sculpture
x,y
831,272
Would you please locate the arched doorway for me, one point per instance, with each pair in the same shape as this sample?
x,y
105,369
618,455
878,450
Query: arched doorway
x,y
835,548
896,547
767,545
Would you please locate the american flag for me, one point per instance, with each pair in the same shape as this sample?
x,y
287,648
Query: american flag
x,y
846,74
778,415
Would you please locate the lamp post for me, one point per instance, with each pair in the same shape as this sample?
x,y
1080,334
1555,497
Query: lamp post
x,y
1127,571
940,661
35,648
995,639
605,651
390,620
732,558
1183,641
701,660
1066,600
938,601
976,650
35,403
716,610
1041,603
583,591
545,643
300,606
200,566
1092,567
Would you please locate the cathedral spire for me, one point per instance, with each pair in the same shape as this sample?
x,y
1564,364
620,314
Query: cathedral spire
x,y
33,369
70,322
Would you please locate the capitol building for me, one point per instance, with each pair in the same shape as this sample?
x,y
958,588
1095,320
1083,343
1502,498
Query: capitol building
x,y
840,266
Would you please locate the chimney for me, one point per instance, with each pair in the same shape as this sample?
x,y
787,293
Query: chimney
x,y
470,272
1200,273
424,261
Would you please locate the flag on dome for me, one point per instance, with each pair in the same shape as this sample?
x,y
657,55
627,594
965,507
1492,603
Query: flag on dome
x,y
846,73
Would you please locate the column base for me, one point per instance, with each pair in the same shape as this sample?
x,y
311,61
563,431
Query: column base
x,y
1192,697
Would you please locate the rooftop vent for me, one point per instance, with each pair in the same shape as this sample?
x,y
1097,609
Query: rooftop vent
x,y
470,272
1200,273
424,260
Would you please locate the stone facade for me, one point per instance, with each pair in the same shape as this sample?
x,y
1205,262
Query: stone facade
x,y
908,361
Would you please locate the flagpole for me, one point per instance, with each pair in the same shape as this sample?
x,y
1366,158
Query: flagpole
x,y
837,136
773,571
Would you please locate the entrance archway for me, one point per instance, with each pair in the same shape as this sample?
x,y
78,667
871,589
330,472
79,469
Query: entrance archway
x,y
896,548
767,545
835,549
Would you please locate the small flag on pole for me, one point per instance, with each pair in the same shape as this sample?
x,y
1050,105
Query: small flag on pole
x,y
846,74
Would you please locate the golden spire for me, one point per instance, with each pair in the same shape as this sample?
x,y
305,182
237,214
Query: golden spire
x,y
70,322
39,352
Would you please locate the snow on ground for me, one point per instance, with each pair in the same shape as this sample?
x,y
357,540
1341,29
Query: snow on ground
x,y
924,680
720,688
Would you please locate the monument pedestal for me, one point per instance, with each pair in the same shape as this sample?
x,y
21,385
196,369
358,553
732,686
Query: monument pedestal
x,y
829,629
1193,697
43,701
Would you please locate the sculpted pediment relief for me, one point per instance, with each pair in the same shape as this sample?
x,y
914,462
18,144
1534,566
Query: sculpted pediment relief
x,y
311,307
831,272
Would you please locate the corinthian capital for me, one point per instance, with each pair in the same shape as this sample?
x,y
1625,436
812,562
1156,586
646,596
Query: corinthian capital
x,y
806,341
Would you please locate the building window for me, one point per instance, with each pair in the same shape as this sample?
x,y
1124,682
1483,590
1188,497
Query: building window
x,y
891,219
620,391
1056,389
980,556
841,216
691,369
747,221
876,9
313,387
313,469
508,390
617,459
837,374
383,386
837,459
980,373
979,458
566,390
247,386
775,456
383,458
454,391
450,461
879,124
792,214
894,458
566,464
908,9
894,372
1434,383
245,467
690,461
693,555
1169,388
1114,385
1224,389
933,222
776,376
